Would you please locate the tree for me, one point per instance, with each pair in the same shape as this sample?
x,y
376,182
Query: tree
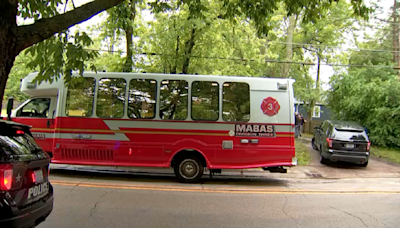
x,y
48,21
65,52
319,38
370,95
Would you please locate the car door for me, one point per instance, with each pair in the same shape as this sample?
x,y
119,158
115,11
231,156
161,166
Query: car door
x,y
39,113
320,136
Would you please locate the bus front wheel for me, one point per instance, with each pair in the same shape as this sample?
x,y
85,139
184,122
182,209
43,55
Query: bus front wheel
x,y
189,169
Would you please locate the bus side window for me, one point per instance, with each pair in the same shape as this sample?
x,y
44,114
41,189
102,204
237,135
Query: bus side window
x,y
205,100
111,98
142,98
173,99
236,101
38,107
80,95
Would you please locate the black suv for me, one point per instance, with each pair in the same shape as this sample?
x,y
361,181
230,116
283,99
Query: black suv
x,y
341,141
26,196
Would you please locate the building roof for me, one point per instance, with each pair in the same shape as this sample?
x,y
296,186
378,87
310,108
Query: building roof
x,y
302,102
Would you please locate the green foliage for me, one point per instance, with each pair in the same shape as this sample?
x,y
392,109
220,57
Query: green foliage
x,y
38,9
60,55
302,153
392,155
18,72
370,95
371,98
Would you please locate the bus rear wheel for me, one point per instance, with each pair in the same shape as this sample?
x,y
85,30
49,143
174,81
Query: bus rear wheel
x,y
189,169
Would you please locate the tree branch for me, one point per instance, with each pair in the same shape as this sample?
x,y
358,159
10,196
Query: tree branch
x,y
46,27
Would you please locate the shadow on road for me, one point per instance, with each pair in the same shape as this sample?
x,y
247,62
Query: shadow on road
x,y
344,165
162,178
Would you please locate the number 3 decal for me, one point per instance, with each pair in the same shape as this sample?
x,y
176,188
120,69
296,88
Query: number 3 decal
x,y
270,106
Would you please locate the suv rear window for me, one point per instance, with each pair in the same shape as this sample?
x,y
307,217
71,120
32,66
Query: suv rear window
x,y
17,143
357,135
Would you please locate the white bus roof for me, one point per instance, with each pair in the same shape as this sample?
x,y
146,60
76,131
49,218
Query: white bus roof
x,y
51,89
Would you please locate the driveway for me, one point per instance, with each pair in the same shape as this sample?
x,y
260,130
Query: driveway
x,y
375,169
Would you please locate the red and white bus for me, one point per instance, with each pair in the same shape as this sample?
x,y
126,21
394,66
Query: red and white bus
x,y
187,122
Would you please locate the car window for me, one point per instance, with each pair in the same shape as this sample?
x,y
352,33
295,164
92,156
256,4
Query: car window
x,y
18,144
350,135
38,107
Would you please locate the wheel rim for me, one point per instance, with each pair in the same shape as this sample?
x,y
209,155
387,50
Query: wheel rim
x,y
189,169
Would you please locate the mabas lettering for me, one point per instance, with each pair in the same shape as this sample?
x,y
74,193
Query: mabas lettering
x,y
254,130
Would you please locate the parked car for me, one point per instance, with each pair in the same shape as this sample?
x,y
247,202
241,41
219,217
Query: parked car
x,y
341,141
26,196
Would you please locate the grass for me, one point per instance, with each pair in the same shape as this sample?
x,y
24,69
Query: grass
x,y
302,153
306,135
392,155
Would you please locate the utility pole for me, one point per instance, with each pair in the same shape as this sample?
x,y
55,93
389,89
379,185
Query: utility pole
x,y
395,35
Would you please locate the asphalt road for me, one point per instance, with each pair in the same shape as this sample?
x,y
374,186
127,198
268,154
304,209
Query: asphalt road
x,y
89,199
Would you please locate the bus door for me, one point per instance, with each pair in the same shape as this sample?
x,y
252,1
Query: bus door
x,y
40,114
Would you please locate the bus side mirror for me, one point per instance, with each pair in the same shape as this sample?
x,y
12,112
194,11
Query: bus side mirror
x,y
10,105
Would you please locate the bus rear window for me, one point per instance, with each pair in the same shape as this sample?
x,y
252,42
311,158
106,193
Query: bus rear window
x,y
111,98
236,101
205,100
80,97
173,99
142,99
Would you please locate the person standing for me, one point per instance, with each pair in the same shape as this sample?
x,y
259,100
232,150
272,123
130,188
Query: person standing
x,y
302,121
297,125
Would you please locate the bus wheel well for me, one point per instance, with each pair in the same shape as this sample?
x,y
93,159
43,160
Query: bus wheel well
x,y
188,153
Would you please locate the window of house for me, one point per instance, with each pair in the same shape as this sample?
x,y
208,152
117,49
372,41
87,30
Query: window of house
x,y
174,99
317,112
205,100
142,98
236,101
80,97
111,98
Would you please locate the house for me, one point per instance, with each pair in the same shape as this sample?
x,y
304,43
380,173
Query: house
x,y
321,113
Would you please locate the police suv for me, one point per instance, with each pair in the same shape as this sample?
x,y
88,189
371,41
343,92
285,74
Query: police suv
x,y
26,196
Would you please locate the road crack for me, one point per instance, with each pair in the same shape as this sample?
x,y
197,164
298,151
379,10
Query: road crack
x,y
101,199
350,214
374,218
79,184
284,209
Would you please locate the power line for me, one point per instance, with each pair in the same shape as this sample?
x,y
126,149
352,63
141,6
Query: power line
x,y
333,47
259,60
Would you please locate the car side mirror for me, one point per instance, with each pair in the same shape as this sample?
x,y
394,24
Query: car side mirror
x,y
10,105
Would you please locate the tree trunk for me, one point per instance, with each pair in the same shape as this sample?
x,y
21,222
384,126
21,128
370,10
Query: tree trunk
x,y
188,51
8,41
289,46
395,35
173,70
14,39
313,101
129,33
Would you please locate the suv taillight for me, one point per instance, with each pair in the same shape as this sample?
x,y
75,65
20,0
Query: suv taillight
x,y
368,145
6,177
330,142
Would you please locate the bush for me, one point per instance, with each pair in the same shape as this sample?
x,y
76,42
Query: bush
x,y
370,97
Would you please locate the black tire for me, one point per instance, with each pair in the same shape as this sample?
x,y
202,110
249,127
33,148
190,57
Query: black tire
x,y
322,160
313,144
189,169
365,164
